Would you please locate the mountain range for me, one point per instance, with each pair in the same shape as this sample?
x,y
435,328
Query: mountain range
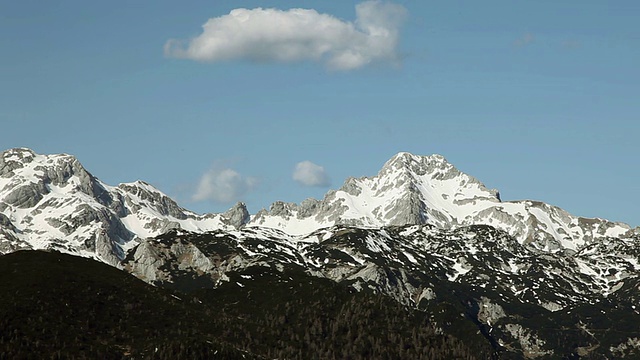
x,y
534,280
52,201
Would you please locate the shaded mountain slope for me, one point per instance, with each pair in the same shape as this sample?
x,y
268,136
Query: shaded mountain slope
x,y
473,280
59,306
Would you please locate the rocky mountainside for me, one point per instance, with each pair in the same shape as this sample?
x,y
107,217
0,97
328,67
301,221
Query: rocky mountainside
x,y
57,306
527,302
53,202
533,280
414,189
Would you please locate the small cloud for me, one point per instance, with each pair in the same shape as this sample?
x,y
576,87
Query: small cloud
x,y
524,40
223,185
310,174
273,35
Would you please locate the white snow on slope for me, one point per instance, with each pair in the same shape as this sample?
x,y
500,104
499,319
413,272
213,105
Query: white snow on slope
x,y
427,189
54,202
79,213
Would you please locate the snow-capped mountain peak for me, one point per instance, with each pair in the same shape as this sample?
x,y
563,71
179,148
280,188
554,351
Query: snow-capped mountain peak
x,y
413,189
404,161
29,176
444,191
52,201
409,189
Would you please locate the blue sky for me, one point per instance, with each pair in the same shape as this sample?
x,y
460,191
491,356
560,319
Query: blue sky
x,y
539,99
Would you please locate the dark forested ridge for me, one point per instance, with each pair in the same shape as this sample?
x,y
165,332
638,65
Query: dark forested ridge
x,y
60,306
57,306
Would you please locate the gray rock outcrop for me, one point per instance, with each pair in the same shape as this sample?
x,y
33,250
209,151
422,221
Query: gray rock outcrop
x,y
237,216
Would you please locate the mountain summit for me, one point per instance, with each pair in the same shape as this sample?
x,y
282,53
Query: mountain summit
x,y
52,201
412,189
409,189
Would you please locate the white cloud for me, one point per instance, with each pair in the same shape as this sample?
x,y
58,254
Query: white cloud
x,y
525,39
310,174
296,35
223,186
